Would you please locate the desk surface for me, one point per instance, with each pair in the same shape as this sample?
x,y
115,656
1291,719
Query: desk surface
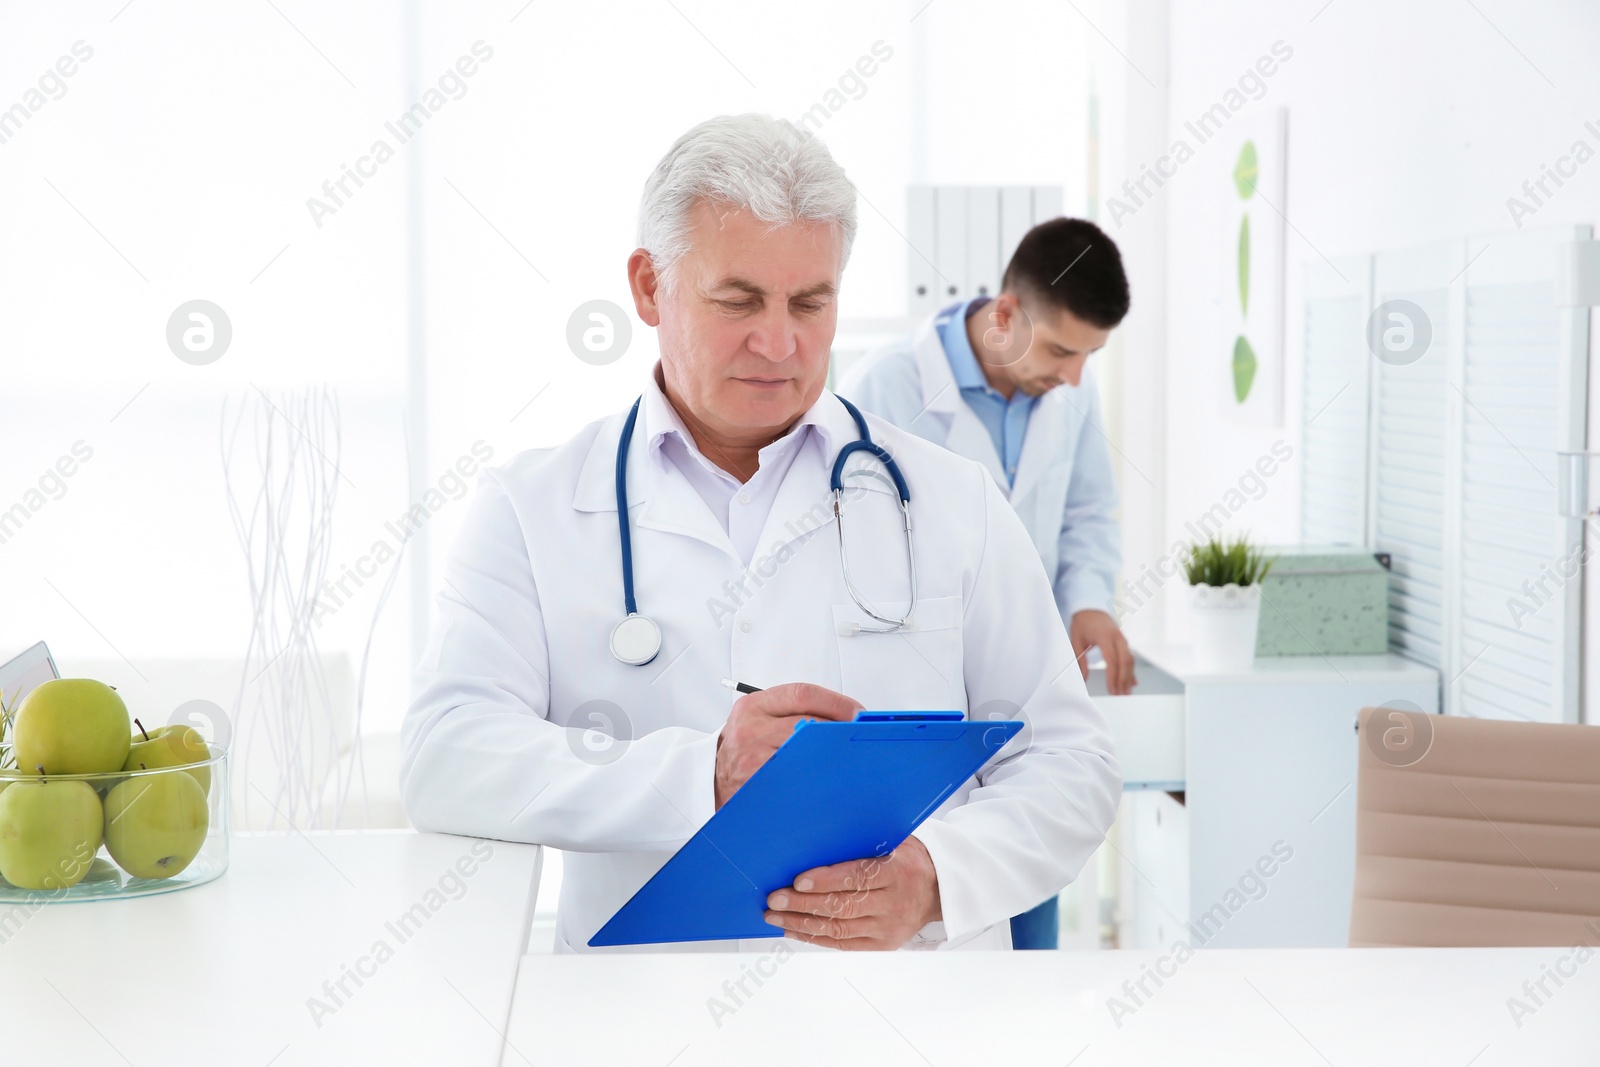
x,y
225,973
1179,661
1361,1007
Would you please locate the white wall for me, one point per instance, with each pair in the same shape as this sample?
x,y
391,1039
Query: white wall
x,y
1129,76
1407,123
178,159
173,164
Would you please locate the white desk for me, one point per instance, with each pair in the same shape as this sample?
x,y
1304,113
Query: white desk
x,y
1361,1008
222,973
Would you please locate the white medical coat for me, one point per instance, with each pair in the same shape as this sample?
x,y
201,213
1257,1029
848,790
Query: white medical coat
x,y
1064,494
518,667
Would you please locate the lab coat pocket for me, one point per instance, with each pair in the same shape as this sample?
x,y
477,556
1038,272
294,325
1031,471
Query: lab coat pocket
x,y
915,669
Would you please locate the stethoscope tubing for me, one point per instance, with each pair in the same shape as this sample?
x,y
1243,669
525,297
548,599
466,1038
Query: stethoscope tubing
x,y
864,443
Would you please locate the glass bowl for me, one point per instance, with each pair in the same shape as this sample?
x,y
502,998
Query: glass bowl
x,y
141,845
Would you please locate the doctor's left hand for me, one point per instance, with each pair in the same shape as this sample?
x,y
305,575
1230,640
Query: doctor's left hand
x,y
876,903
1096,629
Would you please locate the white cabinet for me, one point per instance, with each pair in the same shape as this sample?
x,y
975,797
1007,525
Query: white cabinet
x,y
1260,849
1155,875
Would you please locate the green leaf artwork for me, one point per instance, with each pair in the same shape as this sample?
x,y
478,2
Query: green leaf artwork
x,y
1245,171
1244,265
1244,368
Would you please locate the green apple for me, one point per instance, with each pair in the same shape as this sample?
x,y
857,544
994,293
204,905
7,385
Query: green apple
x,y
72,726
169,746
156,823
49,832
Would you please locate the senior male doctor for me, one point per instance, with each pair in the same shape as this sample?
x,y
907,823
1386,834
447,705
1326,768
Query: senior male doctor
x,y
1000,380
745,228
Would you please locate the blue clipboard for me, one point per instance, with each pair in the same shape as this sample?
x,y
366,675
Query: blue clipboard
x,y
834,791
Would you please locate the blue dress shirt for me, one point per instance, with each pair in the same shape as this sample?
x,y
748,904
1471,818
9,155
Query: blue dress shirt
x,y
1006,420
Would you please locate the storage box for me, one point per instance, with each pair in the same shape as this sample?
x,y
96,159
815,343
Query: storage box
x,y
1323,601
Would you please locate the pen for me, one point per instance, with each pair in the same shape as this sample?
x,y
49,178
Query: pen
x,y
739,687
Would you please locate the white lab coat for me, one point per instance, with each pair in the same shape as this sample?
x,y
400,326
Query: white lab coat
x,y
1064,491
517,667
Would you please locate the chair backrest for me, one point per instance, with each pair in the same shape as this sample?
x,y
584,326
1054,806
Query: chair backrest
x,y
1475,832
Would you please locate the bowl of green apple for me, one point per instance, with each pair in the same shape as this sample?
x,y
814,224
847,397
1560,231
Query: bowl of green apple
x,y
93,805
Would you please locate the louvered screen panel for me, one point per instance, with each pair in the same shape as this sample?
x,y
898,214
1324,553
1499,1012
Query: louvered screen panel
x,y
1461,475
1410,416
1508,499
1522,363
1333,449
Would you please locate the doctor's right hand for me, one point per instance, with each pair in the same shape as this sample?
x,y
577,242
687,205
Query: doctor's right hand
x,y
760,722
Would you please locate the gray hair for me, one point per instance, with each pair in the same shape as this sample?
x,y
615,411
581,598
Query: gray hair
x,y
769,167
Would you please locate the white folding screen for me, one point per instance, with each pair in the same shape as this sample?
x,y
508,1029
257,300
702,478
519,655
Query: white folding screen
x,y
1523,387
1462,421
1333,447
1410,460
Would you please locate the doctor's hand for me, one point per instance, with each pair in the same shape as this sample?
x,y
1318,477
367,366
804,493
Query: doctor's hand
x,y
1096,629
760,722
877,903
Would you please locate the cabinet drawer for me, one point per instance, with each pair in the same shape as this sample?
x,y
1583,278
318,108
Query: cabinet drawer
x,y
1147,726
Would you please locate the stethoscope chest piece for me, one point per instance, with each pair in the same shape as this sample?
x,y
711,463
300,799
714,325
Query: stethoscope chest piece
x,y
636,640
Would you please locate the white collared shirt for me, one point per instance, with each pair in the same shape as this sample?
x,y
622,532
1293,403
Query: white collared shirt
x,y
741,509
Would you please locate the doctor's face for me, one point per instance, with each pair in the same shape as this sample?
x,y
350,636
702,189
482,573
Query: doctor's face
x,y
746,324
1055,344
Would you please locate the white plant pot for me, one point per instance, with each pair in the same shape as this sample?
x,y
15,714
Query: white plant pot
x,y
1226,618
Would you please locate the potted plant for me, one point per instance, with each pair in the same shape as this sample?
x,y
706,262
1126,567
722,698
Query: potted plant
x,y
1225,596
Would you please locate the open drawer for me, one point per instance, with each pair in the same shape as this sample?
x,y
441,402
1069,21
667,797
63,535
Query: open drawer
x,y
1147,725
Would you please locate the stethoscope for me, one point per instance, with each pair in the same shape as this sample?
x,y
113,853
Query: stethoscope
x,y
636,640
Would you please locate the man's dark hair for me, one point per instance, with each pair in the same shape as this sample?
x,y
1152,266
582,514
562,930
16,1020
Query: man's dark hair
x,y
1070,264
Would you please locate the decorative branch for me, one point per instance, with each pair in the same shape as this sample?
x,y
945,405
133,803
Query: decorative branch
x,y
281,496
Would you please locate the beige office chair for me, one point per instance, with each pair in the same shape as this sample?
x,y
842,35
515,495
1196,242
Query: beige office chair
x,y
1475,832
